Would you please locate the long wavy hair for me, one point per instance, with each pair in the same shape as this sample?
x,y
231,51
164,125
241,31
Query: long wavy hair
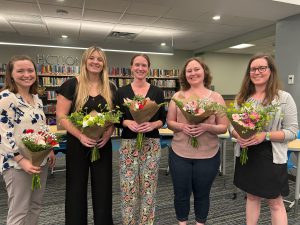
x,y
272,87
184,84
82,91
9,81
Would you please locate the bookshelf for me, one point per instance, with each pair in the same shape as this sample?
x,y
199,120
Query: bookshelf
x,y
166,79
52,76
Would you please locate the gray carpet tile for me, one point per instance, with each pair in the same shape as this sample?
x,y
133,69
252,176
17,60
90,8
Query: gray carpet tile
x,y
223,210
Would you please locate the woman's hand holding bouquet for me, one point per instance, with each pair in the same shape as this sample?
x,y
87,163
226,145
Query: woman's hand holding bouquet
x,y
142,110
94,126
37,146
248,121
196,111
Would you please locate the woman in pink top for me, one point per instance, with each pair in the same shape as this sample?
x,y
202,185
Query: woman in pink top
x,y
193,170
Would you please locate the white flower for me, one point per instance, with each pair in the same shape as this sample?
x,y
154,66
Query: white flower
x,y
85,123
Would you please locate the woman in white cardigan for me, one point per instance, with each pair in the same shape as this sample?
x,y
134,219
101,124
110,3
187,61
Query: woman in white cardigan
x,y
265,173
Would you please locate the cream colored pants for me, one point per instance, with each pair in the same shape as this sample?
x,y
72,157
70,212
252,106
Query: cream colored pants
x,y
24,205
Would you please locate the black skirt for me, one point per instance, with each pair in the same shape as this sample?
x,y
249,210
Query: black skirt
x,y
260,176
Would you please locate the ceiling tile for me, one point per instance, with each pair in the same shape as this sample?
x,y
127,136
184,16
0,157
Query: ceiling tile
x,y
148,9
108,5
58,26
137,19
95,31
5,26
128,28
9,7
30,28
69,3
102,16
51,11
234,20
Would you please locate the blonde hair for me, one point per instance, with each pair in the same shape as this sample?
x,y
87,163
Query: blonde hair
x,y
82,91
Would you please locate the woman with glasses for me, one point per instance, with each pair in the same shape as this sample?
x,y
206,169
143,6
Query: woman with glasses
x,y
265,173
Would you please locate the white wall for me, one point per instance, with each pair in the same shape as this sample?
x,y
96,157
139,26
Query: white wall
x,y
227,70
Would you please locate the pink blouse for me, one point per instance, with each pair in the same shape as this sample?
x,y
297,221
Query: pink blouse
x,y
208,143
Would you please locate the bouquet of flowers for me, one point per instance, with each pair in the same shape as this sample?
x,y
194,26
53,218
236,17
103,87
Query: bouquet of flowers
x,y
94,124
142,110
38,145
196,110
249,119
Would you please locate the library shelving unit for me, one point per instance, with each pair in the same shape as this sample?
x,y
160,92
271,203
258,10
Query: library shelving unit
x,y
2,74
167,80
52,76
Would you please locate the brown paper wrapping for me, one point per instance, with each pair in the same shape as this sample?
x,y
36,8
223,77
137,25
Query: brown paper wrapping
x,y
36,158
193,119
95,132
242,131
145,114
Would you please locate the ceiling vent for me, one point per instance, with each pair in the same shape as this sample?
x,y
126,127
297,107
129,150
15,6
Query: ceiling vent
x,y
122,35
24,19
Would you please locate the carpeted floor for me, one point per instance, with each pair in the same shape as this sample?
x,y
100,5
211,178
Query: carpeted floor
x,y
223,210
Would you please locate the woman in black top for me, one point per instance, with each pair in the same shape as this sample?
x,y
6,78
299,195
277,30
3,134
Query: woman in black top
x,y
139,168
87,91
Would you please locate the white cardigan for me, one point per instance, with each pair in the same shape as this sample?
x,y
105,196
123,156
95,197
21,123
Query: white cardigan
x,y
286,120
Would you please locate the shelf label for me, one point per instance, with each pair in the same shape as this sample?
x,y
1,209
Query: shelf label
x,y
57,59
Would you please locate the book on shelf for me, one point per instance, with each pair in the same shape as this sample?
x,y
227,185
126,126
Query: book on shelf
x,y
122,71
52,81
57,69
3,68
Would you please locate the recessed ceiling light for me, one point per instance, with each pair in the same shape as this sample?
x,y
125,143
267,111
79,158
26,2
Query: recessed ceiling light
x,y
60,0
241,46
163,44
216,17
294,2
64,36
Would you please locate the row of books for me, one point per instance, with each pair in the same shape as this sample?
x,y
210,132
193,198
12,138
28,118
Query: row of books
x,y
2,68
121,71
52,81
163,83
57,69
2,79
168,94
51,95
50,109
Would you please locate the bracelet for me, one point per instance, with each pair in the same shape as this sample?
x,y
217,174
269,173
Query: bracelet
x,y
20,160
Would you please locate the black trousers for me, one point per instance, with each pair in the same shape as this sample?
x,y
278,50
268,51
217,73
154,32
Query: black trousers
x,y
78,166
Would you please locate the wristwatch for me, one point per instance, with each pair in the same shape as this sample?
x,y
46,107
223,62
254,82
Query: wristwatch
x,y
267,136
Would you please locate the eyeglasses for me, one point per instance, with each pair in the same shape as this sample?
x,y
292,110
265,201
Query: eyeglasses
x,y
260,69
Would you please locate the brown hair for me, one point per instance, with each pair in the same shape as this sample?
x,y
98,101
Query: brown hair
x,y
143,55
9,81
248,88
184,84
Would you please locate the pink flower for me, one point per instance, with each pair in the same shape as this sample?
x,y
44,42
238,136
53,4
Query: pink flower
x,y
128,161
235,117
